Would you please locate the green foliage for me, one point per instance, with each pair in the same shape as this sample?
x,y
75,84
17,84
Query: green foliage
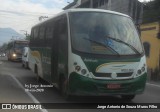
x,y
3,47
151,11
28,37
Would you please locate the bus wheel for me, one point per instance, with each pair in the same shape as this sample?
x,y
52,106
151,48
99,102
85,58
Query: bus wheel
x,y
22,65
36,72
26,65
128,97
63,89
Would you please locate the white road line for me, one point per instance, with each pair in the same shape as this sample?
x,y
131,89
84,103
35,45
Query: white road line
x,y
153,84
28,93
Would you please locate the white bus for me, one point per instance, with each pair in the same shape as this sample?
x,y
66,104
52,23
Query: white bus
x,y
89,52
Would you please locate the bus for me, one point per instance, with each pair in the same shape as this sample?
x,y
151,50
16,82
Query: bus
x,y
89,52
14,50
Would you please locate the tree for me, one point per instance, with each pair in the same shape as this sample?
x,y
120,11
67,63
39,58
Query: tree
x,y
157,4
3,48
27,37
151,11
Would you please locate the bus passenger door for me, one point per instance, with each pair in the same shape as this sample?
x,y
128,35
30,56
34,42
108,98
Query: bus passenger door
x,y
60,49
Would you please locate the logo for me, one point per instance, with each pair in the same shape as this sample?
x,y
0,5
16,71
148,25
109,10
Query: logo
x,y
90,60
114,75
6,106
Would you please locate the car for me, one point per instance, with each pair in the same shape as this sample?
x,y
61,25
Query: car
x,y
25,56
2,55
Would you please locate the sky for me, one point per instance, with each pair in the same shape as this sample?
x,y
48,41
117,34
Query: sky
x,y
23,14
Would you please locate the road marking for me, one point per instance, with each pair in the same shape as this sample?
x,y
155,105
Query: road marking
x,y
153,84
28,93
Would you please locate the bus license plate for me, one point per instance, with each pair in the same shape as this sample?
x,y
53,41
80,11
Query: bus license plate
x,y
113,86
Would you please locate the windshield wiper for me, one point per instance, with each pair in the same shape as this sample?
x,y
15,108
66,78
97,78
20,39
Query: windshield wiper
x,y
106,46
118,40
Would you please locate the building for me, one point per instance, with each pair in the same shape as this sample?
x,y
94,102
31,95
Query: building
x,y
133,8
150,34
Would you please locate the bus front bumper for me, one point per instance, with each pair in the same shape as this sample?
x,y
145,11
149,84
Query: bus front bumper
x,y
16,58
83,86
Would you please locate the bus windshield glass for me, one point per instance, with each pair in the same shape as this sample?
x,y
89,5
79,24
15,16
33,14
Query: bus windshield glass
x,y
21,45
104,33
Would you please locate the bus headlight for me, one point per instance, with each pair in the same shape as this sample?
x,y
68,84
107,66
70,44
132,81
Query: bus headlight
x,y
141,71
83,71
77,68
14,55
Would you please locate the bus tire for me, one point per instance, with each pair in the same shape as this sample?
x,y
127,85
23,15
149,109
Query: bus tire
x,y
9,59
36,72
63,88
26,65
128,97
22,65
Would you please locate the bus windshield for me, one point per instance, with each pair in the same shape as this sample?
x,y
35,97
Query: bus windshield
x,y
104,33
20,45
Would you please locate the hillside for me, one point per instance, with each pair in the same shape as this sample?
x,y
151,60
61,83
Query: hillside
x,y
6,35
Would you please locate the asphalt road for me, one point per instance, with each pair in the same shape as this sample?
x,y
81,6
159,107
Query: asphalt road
x,y
14,82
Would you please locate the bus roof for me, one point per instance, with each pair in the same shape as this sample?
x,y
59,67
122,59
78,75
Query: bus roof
x,y
82,10
95,10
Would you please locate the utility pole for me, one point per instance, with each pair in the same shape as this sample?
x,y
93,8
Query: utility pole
x,y
26,34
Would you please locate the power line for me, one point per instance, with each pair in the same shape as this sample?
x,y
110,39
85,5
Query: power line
x,y
15,20
26,13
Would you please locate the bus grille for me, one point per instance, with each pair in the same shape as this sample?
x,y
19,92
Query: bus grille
x,y
108,75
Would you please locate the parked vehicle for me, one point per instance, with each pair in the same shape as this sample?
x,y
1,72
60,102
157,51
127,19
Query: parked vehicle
x,y
25,56
2,54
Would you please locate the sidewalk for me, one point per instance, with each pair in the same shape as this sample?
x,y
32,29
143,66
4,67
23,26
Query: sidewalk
x,y
154,82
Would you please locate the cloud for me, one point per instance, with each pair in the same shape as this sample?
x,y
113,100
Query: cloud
x,y
23,14
30,5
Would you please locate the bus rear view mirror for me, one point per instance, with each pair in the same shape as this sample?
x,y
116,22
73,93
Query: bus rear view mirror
x,y
25,55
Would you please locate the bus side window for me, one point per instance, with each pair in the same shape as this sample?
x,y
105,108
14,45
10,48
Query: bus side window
x,y
42,36
42,32
35,31
49,34
63,34
32,36
59,32
61,25
36,37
